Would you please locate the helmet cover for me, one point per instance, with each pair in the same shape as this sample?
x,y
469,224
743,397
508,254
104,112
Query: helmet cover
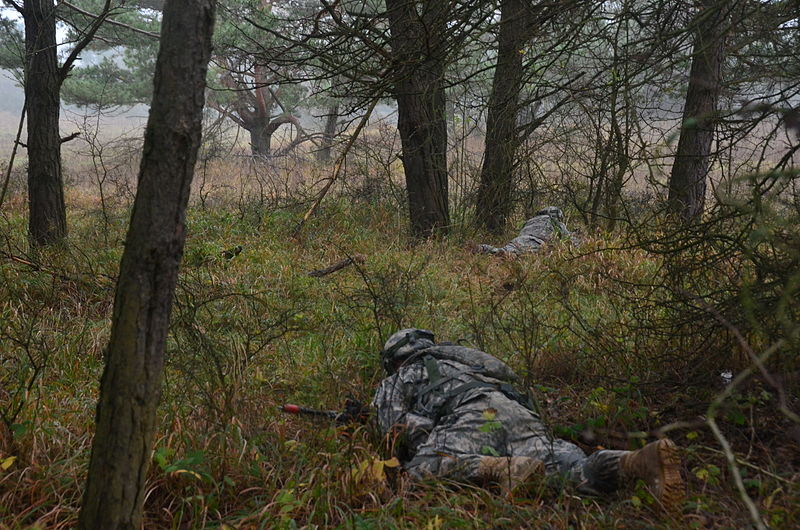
x,y
404,343
553,212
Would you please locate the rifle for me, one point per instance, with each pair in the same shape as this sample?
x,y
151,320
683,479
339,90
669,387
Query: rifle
x,y
354,412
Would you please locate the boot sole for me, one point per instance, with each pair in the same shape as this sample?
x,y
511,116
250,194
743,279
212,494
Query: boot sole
x,y
671,488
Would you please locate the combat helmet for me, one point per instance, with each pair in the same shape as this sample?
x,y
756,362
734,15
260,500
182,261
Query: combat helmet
x,y
554,212
403,344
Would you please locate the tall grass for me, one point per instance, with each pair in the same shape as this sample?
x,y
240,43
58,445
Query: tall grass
x,y
594,330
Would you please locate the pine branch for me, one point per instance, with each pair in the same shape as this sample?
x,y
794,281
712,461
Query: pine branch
x,y
85,40
110,21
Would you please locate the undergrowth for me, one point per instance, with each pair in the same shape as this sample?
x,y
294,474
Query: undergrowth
x,y
593,331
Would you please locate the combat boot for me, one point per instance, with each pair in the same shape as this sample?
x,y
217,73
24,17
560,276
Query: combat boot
x,y
509,472
658,464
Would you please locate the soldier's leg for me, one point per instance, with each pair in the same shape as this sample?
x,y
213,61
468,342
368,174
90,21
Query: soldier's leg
x,y
427,464
597,474
593,475
462,449
508,472
657,464
566,462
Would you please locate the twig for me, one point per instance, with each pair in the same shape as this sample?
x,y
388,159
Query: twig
x,y
754,467
70,137
113,22
755,516
691,424
338,169
654,433
33,265
783,402
13,152
341,264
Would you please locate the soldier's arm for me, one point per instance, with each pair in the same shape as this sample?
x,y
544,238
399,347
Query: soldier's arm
x,y
395,398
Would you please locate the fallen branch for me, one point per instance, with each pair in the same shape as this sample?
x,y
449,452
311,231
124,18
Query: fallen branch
x,y
658,433
355,258
85,279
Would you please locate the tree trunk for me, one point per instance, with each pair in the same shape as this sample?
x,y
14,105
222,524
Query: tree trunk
x,y
687,182
260,140
131,384
495,192
418,49
324,152
47,222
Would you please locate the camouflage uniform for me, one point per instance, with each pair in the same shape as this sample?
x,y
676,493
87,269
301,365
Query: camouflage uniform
x,y
537,231
455,406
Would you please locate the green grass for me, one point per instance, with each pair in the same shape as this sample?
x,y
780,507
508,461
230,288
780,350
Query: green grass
x,y
250,333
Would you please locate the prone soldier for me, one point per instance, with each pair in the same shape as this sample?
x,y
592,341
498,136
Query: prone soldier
x,y
536,232
461,418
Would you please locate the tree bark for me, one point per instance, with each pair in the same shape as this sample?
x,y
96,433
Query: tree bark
x,y
260,139
324,152
131,383
47,216
496,188
419,54
687,182
261,130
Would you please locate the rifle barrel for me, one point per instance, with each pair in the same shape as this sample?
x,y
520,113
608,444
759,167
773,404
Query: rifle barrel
x,y
297,409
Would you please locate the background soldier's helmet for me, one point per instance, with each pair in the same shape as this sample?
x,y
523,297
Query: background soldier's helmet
x,y
402,345
553,212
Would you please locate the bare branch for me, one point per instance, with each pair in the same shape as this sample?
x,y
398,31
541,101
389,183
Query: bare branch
x,y
112,21
14,5
85,40
13,153
338,167
339,265
70,137
225,112
755,516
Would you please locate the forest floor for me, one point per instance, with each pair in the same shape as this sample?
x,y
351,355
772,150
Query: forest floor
x,y
583,326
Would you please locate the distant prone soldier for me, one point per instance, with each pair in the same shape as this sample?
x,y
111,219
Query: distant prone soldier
x,y
538,230
456,415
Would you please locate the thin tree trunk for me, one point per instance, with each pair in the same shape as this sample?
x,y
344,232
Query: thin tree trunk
x,y
47,221
324,152
495,192
131,384
418,48
687,182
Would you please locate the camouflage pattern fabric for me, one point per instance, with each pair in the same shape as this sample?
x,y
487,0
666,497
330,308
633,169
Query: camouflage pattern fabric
x,y
537,231
471,411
